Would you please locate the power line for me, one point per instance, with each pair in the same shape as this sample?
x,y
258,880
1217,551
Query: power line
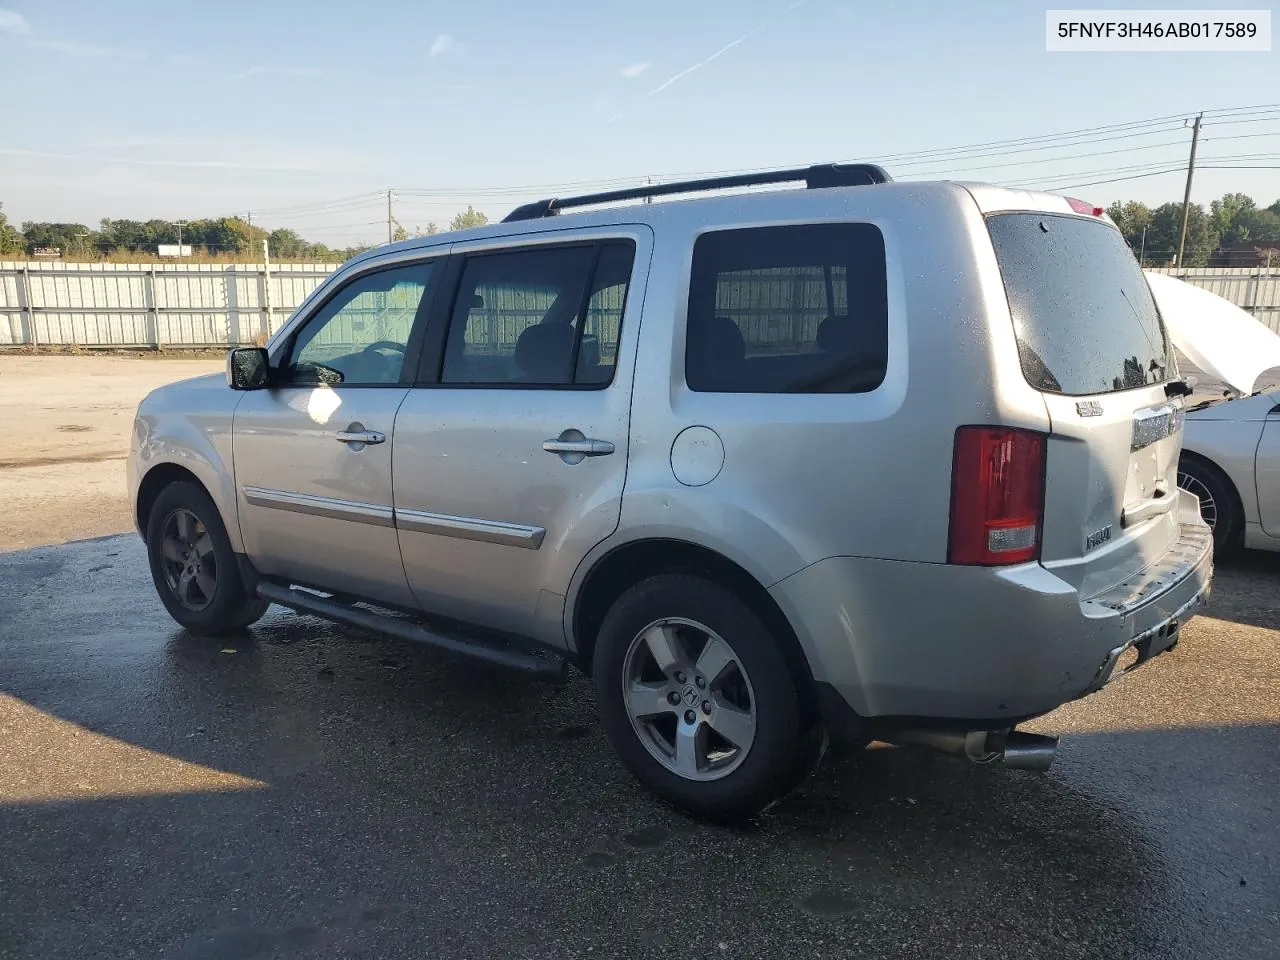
x,y
415,198
1030,182
1012,152
1087,135
1274,115
1128,168
1124,131
291,208
325,211
1156,173
1135,176
1043,160
1005,146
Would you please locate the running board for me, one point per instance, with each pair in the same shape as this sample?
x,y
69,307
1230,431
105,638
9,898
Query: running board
x,y
544,666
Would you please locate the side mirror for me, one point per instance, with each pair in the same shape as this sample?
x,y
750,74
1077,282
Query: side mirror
x,y
248,368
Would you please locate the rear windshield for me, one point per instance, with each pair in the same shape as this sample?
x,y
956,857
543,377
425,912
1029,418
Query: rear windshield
x,y
1084,318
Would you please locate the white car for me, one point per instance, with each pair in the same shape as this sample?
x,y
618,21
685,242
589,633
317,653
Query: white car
x,y
1231,446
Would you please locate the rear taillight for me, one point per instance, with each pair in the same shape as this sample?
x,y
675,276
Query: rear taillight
x,y
997,496
1083,206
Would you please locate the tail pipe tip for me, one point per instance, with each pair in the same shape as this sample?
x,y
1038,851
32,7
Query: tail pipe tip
x,y
1013,748
1029,751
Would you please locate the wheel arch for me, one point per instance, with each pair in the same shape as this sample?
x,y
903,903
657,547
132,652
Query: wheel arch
x,y
155,480
628,563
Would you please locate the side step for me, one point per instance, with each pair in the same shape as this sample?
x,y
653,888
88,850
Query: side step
x,y
544,666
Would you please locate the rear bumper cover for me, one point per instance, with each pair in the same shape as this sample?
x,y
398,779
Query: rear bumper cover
x,y
896,639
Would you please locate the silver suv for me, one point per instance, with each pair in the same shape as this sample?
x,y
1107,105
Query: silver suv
x,y
877,460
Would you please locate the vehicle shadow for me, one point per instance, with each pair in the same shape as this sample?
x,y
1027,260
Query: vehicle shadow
x,y
1246,589
411,803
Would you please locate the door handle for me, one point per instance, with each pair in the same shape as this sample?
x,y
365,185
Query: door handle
x,y
587,448
356,433
572,446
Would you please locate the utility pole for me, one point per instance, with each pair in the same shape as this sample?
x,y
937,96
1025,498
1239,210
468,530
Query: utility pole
x,y
81,236
390,235
1186,197
181,224
1142,252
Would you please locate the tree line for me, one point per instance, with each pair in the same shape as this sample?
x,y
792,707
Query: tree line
x,y
1234,231
220,236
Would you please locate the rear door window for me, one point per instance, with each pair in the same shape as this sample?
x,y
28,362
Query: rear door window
x,y
793,309
1084,318
540,317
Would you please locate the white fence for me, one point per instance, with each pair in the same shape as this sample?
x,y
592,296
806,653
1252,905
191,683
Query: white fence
x,y
219,305
149,305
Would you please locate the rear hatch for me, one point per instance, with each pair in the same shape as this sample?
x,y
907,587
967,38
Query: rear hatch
x,y
1090,339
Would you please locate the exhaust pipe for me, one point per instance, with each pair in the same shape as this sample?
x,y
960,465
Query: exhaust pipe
x,y
1029,751
1013,748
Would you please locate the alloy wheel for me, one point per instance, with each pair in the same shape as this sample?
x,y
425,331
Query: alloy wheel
x,y
689,699
186,553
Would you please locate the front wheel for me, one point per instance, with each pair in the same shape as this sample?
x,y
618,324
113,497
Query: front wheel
x,y
193,566
698,700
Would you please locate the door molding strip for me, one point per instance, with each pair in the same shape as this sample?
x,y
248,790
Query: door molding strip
x,y
331,507
419,521
471,528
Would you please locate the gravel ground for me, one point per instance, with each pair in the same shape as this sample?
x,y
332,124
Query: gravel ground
x,y
67,443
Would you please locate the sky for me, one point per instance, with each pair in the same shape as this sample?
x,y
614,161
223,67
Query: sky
x,y
172,109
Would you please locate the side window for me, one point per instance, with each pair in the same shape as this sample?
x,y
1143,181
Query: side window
x,y
796,309
539,317
359,337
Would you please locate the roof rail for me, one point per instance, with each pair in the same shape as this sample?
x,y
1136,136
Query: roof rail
x,y
815,177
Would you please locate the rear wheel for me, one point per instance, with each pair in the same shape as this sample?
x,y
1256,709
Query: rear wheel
x,y
193,566
1217,501
698,700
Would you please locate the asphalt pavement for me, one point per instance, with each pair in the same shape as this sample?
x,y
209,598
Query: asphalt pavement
x,y
308,791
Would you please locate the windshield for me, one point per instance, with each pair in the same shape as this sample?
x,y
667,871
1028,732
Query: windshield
x,y
1083,315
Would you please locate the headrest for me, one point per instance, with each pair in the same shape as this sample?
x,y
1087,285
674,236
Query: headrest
x,y
715,353
543,352
717,341
836,335
589,352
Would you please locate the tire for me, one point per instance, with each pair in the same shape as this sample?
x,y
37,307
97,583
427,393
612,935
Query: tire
x,y
1218,502
193,566
726,666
